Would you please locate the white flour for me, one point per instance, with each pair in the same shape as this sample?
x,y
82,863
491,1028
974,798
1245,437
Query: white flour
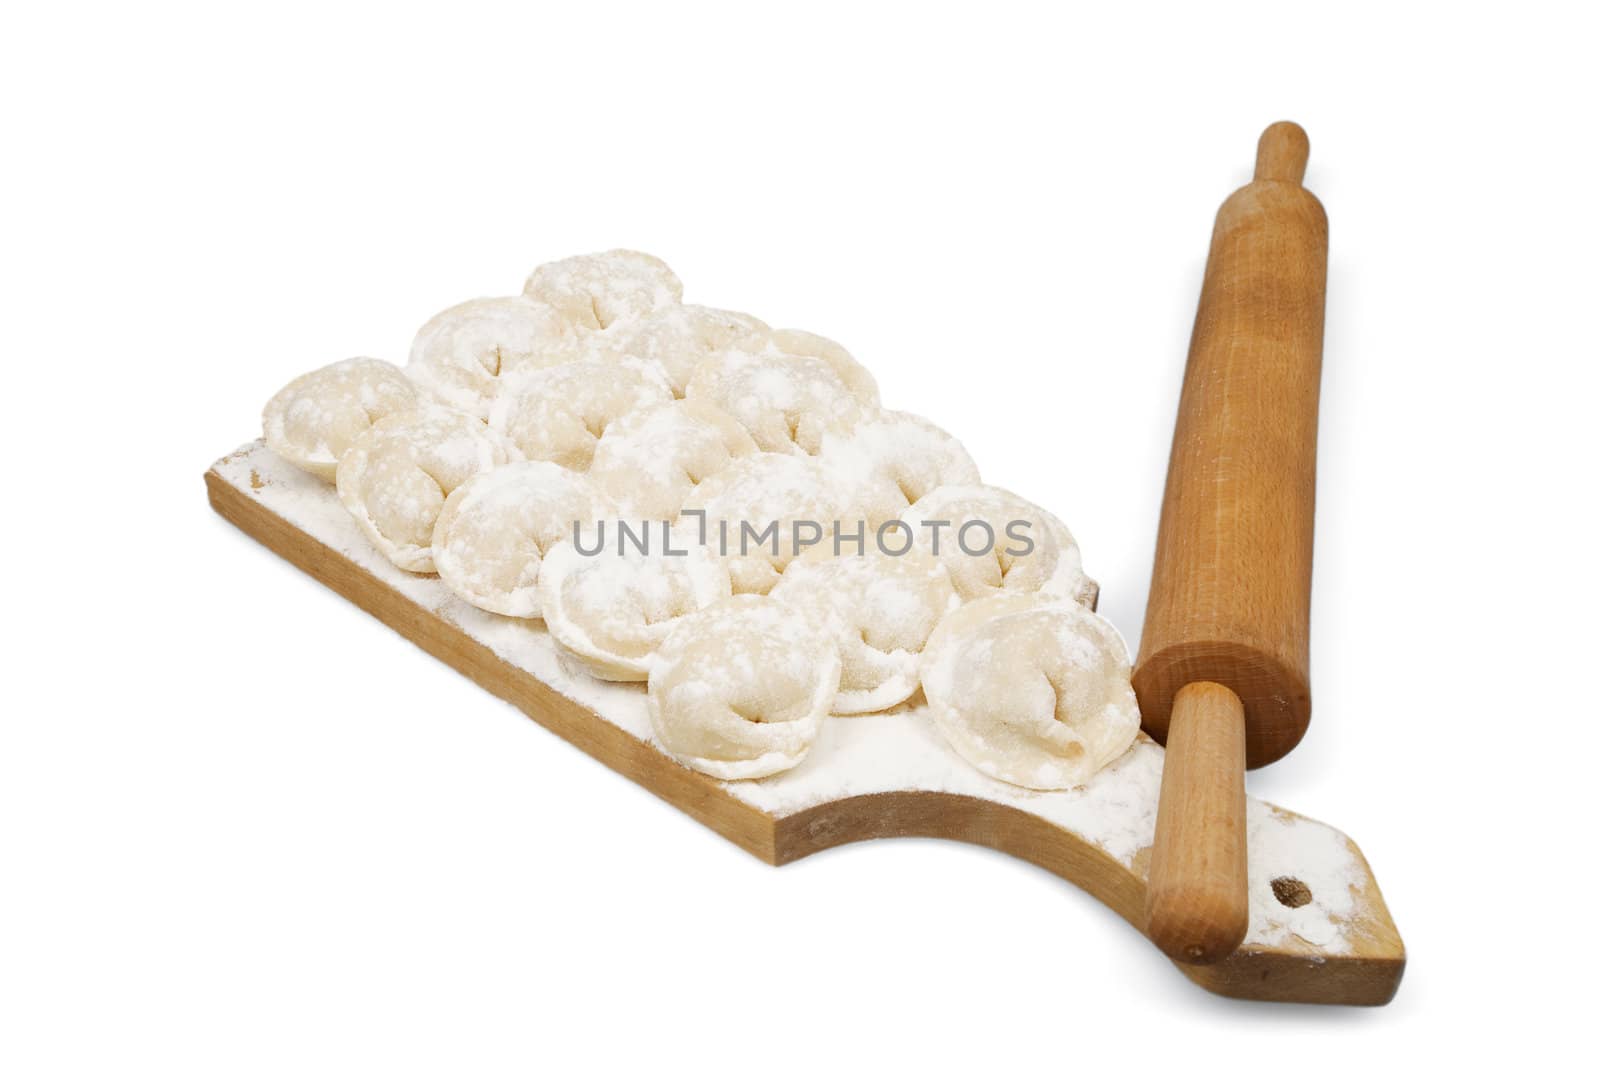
x,y
872,753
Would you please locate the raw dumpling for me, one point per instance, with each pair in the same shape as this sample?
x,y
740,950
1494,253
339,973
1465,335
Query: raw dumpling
x,y
462,354
313,419
882,609
1031,690
679,337
652,459
751,508
855,377
599,290
740,689
786,402
984,536
495,529
394,478
612,610
558,413
909,453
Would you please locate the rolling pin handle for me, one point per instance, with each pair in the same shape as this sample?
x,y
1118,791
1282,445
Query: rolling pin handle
x,y
1281,154
1197,904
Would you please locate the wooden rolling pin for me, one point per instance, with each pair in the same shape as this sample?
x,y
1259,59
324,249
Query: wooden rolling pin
x,y
1223,676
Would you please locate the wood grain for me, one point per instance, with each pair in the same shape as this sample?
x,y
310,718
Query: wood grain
x,y
1230,595
1367,972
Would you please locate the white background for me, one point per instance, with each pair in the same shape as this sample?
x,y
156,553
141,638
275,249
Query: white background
x,y
242,822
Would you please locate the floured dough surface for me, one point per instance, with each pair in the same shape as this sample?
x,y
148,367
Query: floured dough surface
x,y
750,510
741,689
612,611
786,402
395,477
855,377
598,291
495,530
881,608
559,413
315,418
858,379
903,453
678,337
983,535
650,460
1032,690
829,555
461,355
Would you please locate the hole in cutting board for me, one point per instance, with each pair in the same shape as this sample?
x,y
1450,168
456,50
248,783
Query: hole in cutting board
x,y
1291,892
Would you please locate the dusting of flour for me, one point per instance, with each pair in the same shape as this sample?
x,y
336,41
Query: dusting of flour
x,y
864,754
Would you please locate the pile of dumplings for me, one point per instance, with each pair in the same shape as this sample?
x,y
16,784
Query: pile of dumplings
x,y
597,396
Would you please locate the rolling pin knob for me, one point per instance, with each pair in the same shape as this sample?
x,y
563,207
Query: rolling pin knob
x,y
1281,154
1197,907
1223,676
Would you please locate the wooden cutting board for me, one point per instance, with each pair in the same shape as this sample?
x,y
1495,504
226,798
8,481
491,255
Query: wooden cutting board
x,y
1319,929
